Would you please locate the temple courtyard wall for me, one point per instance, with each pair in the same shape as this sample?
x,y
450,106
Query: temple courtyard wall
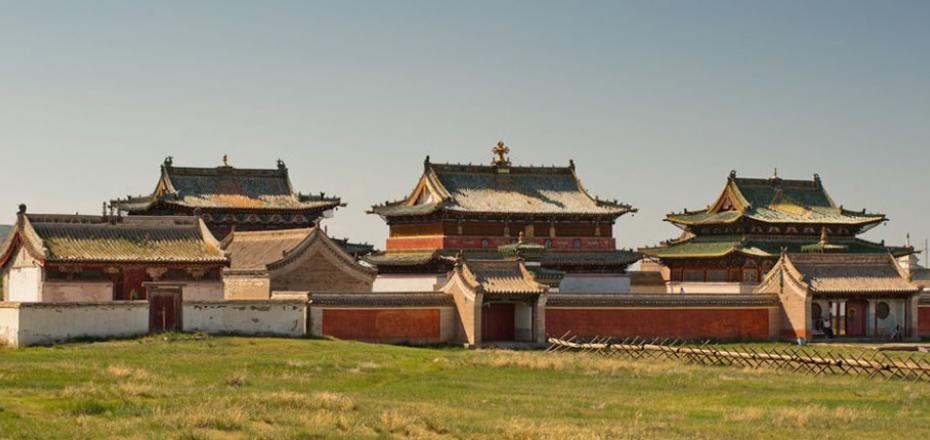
x,y
412,318
34,323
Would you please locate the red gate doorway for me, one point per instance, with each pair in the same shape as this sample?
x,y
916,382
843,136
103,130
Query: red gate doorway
x,y
855,318
497,322
164,311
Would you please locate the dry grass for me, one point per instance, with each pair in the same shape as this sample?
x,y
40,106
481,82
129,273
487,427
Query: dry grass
x,y
220,388
579,363
236,380
801,417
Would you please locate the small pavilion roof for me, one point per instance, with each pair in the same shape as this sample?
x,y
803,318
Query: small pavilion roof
x,y
500,189
502,277
98,239
845,274
775,200
226,187
264,250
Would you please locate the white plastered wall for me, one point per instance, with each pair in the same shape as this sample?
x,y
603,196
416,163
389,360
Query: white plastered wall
x,y
709,287
203,291
268,317
42,323
77,291
595,283
896,316
24,279
9,325
407,283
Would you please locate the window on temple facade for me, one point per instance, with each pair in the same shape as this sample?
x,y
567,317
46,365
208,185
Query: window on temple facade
x,y
882,310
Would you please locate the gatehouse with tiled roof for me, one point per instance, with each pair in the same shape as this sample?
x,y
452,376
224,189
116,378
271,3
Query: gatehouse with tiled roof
x,y
827,295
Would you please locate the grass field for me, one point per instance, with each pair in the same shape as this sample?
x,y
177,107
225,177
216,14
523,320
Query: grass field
x,y
225,387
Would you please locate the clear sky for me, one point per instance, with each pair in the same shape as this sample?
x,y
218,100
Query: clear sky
x,y
655,101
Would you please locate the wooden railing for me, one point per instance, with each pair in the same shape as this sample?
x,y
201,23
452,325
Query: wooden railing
x,y
870,364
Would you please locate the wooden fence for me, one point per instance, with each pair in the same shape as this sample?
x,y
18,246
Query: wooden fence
x,y
871,364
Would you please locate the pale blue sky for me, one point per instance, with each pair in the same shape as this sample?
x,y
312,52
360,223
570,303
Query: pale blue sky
x,y
655,101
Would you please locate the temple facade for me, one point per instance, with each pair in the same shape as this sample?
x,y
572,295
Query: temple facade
x,y
731,245
75,258
229,198
475,210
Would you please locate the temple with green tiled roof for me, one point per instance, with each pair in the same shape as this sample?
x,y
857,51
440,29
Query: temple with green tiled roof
x,y
742,234
230,198
474,209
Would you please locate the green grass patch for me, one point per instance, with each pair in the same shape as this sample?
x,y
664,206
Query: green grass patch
x,y
180,386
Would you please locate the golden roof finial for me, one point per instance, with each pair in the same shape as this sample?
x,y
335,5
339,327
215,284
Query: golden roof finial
x,y
501,151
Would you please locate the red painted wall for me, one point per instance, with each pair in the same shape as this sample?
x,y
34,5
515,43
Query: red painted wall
x,y
923,321
721,323
415,326
475,242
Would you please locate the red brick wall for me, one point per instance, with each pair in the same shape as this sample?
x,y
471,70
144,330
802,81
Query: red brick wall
x,y
420,326
720,323
923,321
475,242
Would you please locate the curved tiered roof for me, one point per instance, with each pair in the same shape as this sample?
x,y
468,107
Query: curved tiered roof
x,y
762,217
500,189
775,200
226,188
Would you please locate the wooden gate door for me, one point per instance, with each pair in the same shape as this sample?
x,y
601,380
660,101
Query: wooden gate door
x,y
497,322
164,311
855,318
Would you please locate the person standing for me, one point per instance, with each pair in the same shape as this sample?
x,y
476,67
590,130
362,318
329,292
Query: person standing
x,y
828,327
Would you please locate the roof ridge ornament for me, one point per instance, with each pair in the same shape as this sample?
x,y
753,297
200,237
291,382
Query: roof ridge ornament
x,y
226,160
501,151
169,161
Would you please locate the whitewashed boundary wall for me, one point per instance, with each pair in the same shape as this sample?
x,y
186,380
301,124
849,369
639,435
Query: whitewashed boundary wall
x,y
256,317
25,324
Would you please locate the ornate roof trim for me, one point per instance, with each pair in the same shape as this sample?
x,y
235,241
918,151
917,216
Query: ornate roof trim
x,y
777,205
500,174
265,196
